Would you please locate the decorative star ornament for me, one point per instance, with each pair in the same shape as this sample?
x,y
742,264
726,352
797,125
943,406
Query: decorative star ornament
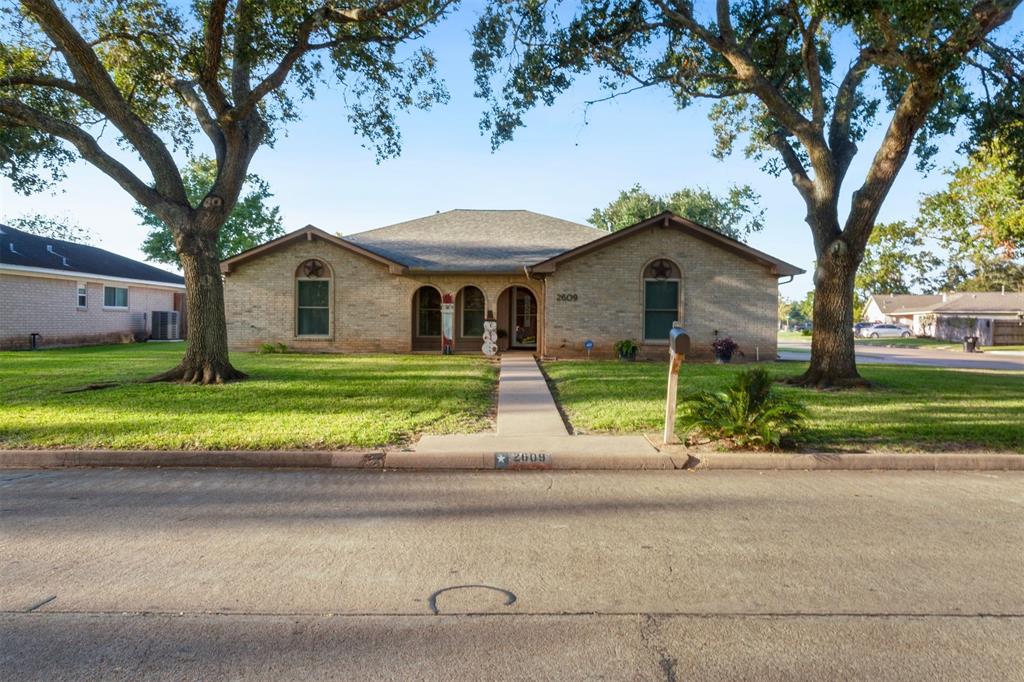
x,y
314,268
661,269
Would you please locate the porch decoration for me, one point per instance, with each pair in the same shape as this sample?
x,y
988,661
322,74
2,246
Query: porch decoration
x,y
490,337
447,324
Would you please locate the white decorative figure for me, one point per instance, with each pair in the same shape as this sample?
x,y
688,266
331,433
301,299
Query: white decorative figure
x,y
490,337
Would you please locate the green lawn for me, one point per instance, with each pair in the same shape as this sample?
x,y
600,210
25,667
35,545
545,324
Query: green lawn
x,y
291,400
910,408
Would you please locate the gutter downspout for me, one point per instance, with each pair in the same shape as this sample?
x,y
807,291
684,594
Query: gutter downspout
x,y
542,332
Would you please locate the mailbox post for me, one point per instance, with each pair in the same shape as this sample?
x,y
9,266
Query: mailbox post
x,y
678,347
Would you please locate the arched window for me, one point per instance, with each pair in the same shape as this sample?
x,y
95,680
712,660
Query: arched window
x,y
313,299
428,312
661,299
472,311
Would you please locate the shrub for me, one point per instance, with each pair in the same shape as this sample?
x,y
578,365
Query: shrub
x,y
749,413
806,332
724,346
626,348
272,348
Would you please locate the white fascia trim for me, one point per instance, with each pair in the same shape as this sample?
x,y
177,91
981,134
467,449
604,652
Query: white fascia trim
x,y
30,271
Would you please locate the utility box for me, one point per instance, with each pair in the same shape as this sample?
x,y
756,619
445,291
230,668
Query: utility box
x,y
165,325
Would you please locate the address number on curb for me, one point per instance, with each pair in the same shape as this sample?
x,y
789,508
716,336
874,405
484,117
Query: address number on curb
x,y
522,460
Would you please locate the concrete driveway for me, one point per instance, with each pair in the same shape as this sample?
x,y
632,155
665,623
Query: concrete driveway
x,y
218,574
801,351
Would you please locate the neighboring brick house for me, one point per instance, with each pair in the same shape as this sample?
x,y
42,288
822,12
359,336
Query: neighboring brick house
x,y
72,294
995,317
550,283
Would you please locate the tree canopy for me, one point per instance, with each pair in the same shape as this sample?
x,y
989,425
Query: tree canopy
x,y
252,221
151,80
735,215
896,261
796,83
64,229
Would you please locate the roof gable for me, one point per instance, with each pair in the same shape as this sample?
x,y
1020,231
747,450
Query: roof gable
x,y
669,219
308,232
23,249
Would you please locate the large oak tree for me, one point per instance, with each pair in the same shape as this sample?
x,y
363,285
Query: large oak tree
x,y
113,82
800,81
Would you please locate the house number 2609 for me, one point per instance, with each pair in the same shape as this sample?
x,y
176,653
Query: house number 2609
x,y
567,297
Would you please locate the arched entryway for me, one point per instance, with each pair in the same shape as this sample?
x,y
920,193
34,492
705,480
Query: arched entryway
x,y
426,319
519,316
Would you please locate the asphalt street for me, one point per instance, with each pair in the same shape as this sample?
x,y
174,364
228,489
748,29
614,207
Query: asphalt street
x,y
801,352
276,574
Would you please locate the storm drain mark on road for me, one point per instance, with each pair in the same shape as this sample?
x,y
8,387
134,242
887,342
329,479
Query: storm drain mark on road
x,y
510,598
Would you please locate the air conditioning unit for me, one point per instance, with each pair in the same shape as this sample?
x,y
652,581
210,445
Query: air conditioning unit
x,y
165,325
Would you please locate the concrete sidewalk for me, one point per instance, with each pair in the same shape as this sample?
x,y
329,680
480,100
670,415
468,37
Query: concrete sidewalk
x,y
531,435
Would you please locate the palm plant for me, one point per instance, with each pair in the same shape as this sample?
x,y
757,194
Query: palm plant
x,y
748,413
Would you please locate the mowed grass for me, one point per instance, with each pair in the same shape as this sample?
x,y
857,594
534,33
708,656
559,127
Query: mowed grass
x,y
909,408
290,400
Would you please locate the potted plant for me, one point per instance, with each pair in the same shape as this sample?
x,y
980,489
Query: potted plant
x,y
724,347
626,349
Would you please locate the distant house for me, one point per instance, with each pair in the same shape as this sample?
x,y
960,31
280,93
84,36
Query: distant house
x,y
551,285
58,293
997,318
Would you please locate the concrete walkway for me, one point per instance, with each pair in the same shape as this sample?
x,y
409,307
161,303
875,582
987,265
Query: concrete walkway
x,y
531,434
525,404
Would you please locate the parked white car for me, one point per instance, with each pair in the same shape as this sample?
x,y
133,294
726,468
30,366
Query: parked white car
x,y
876,331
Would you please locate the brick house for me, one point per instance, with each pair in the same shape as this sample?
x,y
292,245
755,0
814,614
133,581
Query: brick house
x,y
71,294
551,284
995,317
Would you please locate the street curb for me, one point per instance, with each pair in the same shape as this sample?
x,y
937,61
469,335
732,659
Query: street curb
x,y
820,461
672,459
347,459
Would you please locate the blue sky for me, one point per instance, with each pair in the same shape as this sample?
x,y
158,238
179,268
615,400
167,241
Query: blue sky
x,y
564,163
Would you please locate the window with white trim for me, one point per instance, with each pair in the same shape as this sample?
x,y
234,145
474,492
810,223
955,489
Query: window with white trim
x,y
313,299
83,295
661,299
115,297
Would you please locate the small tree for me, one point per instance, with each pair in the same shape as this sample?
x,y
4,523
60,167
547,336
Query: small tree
x,y
159,74
771,68
733,215
252,221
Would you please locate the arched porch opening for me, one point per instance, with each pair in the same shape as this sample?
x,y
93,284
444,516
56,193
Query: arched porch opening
x,y
519,317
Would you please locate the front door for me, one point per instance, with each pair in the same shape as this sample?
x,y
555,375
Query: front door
x,y
524,318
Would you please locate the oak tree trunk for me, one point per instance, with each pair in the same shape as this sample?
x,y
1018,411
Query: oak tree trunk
x,y
833,362
206,354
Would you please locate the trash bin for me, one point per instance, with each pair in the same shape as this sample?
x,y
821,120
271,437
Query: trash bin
x,y
970,344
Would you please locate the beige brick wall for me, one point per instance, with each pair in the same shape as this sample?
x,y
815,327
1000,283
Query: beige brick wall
x,y
49,306
371,309
719,290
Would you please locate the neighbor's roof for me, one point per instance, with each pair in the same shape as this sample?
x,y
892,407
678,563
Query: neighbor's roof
x,y
464,240
24,250
893,304
952,303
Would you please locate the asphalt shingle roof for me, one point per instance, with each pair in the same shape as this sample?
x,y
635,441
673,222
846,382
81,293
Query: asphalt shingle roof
x,y
464,240
956,302
22,248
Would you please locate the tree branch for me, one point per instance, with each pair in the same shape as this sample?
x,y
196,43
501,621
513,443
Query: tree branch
x,y
186,90
812,65
104,95
23,115
839,139
213,38
797,172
